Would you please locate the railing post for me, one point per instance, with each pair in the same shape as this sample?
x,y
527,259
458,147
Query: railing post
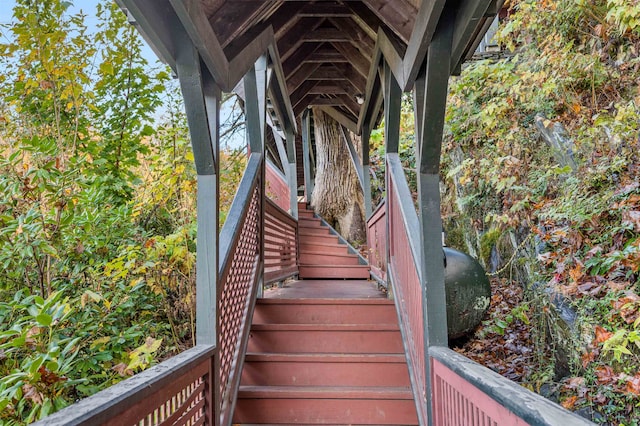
x,y
306,155
256,83
292,175
202,105
366,177
392,103
430,102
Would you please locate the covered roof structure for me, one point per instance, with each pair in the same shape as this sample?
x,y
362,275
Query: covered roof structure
x,y
324,53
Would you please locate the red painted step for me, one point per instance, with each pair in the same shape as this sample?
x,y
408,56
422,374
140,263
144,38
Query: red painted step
x,y
300,405
334,271
325,311
314,231
319,258
326,370
339,338
326,248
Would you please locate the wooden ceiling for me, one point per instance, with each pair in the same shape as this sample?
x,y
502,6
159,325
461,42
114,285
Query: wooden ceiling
x,y
324,53
326,46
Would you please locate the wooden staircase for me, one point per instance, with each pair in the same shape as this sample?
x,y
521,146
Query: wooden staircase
x,y
322,256
325,361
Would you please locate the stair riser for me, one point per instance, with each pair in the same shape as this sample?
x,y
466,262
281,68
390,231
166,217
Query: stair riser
x,y
337,272
303,214
327,249
319,239
330,411
325,374
322,259
322,232
325,314
346,342
310,222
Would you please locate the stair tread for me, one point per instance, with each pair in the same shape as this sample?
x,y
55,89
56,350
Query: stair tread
x,y
325,327
325,392
325,357
326,301
320,253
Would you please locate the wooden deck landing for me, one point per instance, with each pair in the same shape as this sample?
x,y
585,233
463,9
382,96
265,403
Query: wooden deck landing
x,y
326,289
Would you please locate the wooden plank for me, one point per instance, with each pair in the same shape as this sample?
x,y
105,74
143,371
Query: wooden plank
x,y
303,104
399,15
333,88
355,159
281,21
369,21
366,178
325,10
235,18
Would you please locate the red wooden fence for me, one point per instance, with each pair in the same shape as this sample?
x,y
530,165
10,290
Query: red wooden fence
x,y
277,188
377,242
280,243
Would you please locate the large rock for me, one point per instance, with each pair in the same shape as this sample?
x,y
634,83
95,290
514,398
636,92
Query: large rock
x,y
468,292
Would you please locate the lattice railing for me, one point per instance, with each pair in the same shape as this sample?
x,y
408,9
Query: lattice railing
x,y
404,275
280,243
240,273
176,392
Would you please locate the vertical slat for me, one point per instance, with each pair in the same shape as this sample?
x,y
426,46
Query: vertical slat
x,y
292,175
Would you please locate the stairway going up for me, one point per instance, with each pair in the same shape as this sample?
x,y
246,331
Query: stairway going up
x,y
325,360
322,255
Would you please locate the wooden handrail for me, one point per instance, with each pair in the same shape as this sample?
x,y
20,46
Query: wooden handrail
x,y
459,380
170,389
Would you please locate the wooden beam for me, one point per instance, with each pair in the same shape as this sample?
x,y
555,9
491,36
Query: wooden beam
x,y
366,184
304,103
301,76
199,30
235,18
392,106
192,77
360,39
303,90
425,26
279,92
471,15
297,59
327,72
354,57
399,15
326,35
333,88
331,56
325,10
431,92
289,42
368,21
279,22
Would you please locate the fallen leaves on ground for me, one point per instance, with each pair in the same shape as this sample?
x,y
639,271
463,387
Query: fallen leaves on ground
x,y
510,353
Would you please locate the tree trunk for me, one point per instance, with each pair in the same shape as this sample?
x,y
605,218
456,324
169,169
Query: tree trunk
x,y
337,195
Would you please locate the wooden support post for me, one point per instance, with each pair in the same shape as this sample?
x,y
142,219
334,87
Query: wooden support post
x,y
392,102
431,98
292,176
202,104
306,157
255,87
366,177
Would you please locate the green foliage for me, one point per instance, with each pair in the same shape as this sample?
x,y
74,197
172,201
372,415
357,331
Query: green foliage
x,y
97,209
575,62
